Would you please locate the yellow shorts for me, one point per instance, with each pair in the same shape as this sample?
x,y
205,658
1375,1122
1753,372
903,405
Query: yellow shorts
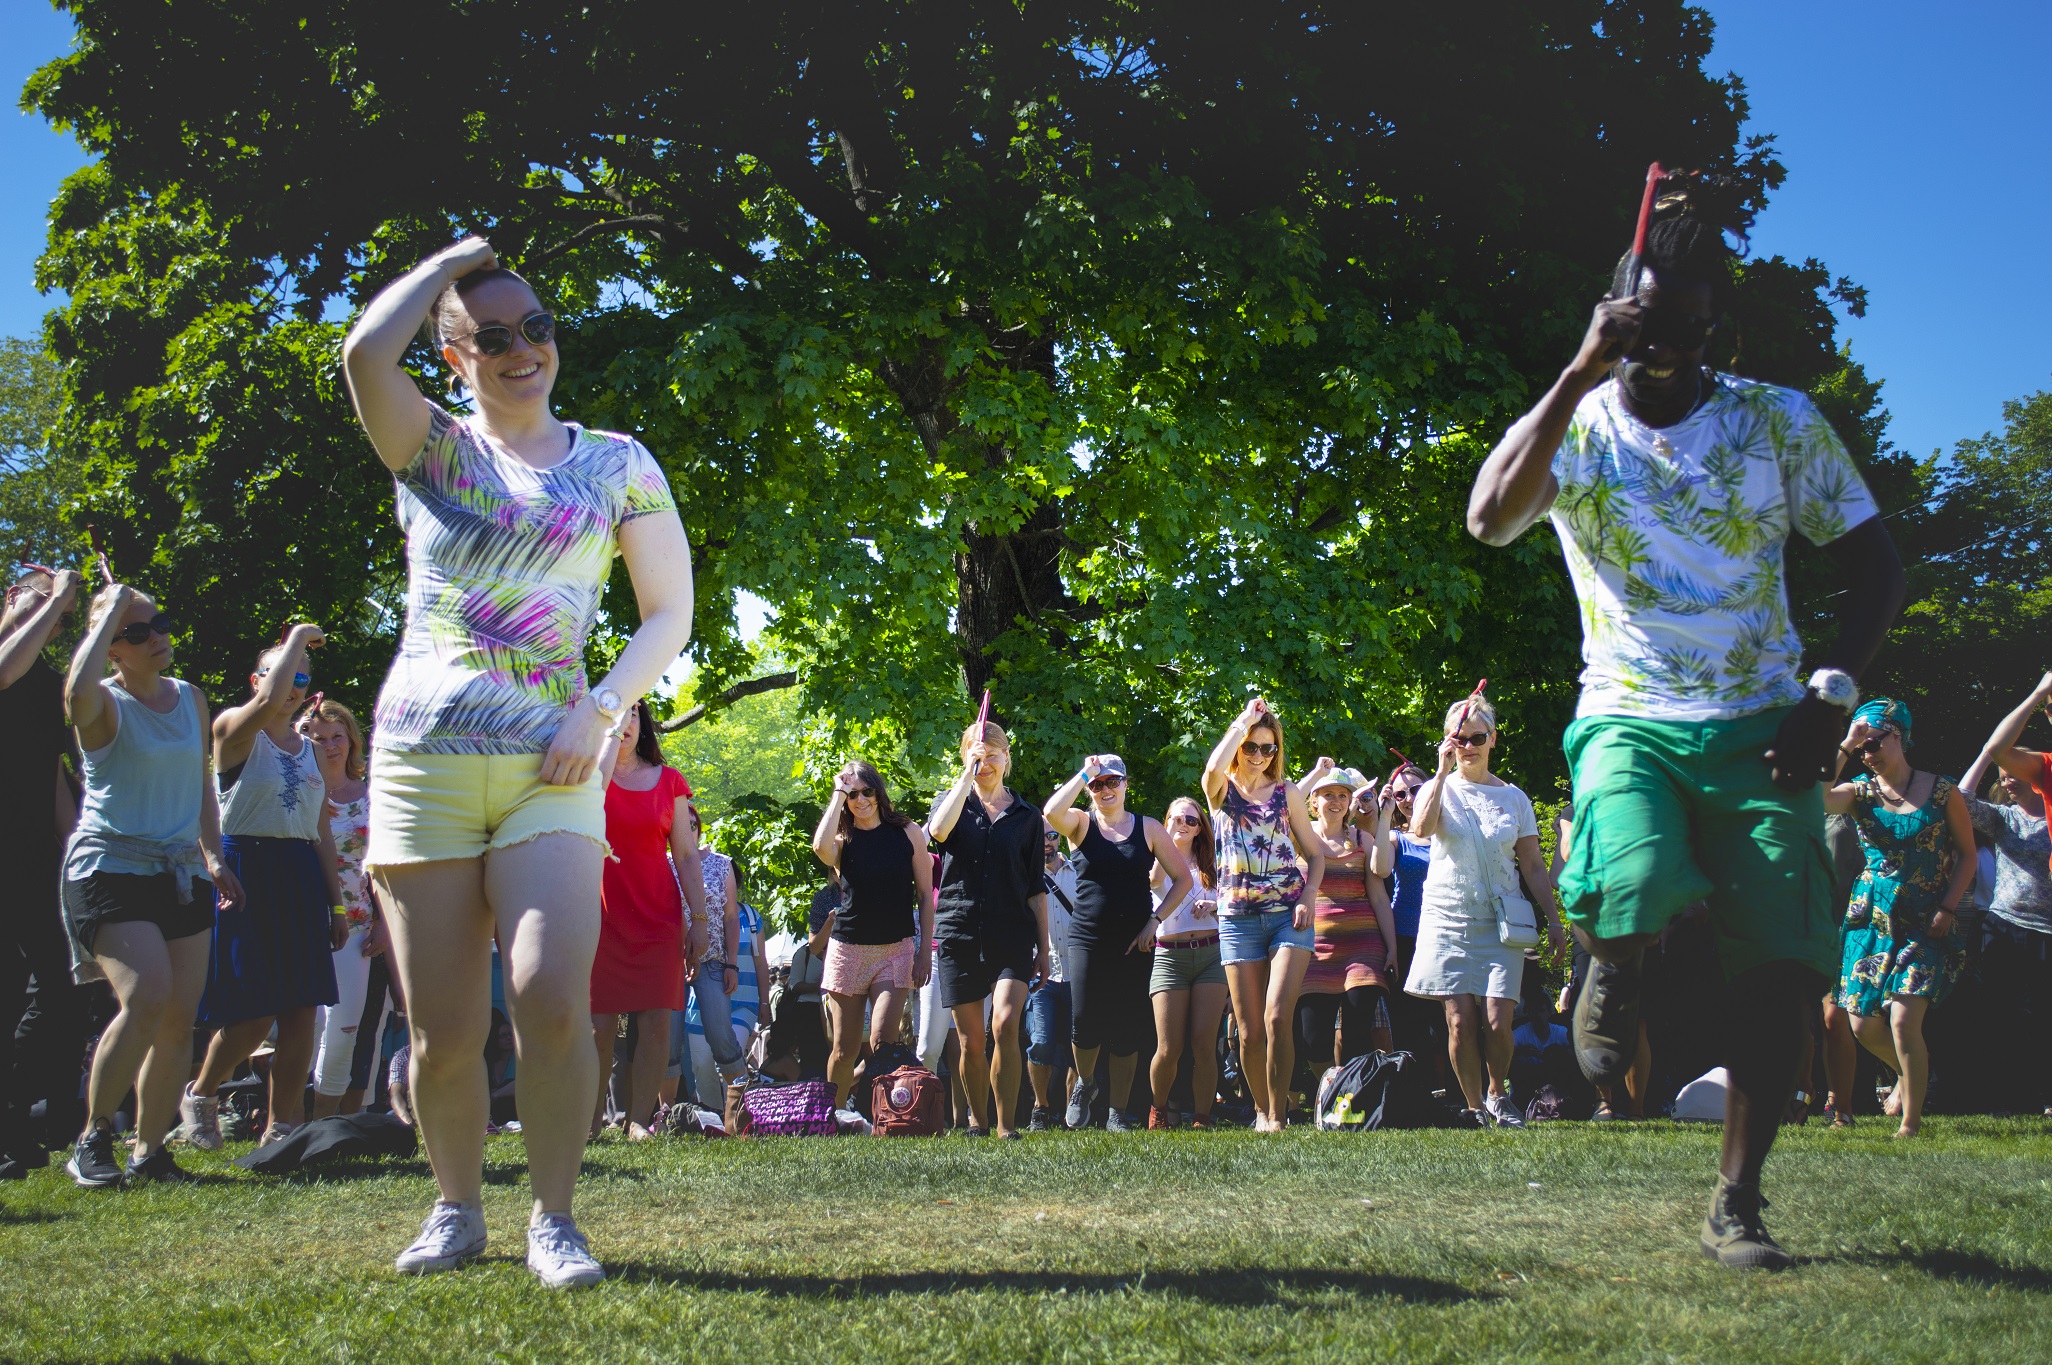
x,y
427,807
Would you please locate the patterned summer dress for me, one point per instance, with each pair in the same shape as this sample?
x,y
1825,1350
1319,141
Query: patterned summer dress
x,y
1909,861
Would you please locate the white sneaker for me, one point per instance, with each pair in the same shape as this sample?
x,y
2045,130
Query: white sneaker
x,y
452,1234
199,1120
1503,1112
558,1254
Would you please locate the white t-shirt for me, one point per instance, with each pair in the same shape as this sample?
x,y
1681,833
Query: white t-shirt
x,y
1475,821
1058,914
1196,915
1674,539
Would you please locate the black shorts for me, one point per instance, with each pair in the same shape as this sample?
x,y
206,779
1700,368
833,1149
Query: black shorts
x,y
969,969
104,898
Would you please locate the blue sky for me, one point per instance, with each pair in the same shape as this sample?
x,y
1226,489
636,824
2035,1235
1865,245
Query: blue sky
x,y
1915,148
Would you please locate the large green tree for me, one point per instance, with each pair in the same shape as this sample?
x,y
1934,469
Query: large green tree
x,y
1126,356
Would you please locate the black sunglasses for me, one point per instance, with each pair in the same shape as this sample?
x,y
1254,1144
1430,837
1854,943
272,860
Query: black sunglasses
x,y
1106,783
1874,745
160,624
1472,741
869,792
538,328
1248,746
1188,820
1676,331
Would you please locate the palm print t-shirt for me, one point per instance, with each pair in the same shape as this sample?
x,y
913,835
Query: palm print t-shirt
x,y
1674,540
505,564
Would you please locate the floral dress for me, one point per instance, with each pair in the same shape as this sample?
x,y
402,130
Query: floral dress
x,y
350,823
1888,950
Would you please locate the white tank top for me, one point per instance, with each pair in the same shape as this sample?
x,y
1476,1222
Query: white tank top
x,y
1197,914
277,795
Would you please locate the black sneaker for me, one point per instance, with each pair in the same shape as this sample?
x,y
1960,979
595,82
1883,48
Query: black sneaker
x,y
1607,1019
1082,1099
1041,1120
160,1168
92,1162
1733,1235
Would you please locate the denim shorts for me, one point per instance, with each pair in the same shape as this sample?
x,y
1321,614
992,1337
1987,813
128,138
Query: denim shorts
x,y
1047,1024
1257,938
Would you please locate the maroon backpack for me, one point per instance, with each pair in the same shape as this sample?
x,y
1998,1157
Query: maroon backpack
x,y
909,1102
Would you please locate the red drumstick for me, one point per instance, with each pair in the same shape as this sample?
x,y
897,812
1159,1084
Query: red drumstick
x,y
1470,705
982,719
99,551
1632,265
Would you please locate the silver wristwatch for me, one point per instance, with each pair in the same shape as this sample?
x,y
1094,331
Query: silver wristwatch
x,y
609,704
1836,687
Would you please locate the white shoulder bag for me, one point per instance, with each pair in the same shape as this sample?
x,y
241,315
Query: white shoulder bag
x,y
1517,922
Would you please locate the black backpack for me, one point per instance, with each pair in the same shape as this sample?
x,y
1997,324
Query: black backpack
x,y
1381,1090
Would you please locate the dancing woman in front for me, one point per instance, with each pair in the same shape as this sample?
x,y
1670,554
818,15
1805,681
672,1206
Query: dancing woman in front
x,y
1265,896
487,809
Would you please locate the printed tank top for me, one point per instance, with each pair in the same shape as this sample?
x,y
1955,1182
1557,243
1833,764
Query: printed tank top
x,y
1257,860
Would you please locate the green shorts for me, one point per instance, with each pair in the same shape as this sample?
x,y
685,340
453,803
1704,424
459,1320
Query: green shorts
x,y
1671,812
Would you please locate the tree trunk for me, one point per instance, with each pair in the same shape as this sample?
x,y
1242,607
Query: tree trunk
x,y
1000,578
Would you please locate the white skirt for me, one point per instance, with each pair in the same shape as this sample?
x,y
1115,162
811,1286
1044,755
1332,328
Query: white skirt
x,y
1463,957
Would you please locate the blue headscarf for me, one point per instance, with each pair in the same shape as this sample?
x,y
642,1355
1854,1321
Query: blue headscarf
x,y
1886,713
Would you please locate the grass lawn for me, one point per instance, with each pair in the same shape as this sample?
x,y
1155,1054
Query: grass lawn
x,y
1564,1242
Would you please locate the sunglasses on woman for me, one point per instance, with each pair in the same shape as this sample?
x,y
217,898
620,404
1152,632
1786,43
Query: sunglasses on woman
x,y
538,328
135,634
1106,784
864,793
1187,819
1874,745
299,680
1475,741
1253,750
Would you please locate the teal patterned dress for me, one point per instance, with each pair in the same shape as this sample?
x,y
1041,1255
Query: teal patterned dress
x,y
1888,949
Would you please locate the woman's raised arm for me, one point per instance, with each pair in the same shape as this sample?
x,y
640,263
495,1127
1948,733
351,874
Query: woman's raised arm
x,y
388,403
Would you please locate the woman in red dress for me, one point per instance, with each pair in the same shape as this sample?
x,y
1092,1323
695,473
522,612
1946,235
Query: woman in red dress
x,y
648,945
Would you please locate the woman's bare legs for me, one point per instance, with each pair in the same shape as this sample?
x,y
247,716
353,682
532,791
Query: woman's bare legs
x,y
1208,1001
149,1043
1464,1029
292,1064
1171,1019
1841,1058
645,1069
544,899
844,1013
1906,1026
1280,1015
605,1030
1498,1044
1247,982
441,952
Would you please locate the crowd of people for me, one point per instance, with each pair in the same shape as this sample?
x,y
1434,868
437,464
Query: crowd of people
x,y
505,842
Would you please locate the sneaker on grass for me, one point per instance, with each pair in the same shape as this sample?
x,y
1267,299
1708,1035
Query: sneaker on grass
x,y
1041,1120
199,1120
158,1166
1502,1111
1116,1121
558,1254
92,1162
452,1234
1082,1099
1733,1235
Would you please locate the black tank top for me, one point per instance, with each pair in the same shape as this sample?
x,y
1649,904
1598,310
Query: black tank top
x,y
1113,898
877,864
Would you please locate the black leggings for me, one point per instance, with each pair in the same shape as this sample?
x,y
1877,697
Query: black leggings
x,y
1316,1014
1108,995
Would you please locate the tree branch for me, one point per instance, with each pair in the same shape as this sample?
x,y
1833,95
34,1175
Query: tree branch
x,y
730,256
768,683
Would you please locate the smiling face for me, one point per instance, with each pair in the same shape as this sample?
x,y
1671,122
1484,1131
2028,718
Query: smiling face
x,y
1184,820
330,739
1108,793
153,655
1663,369
1332,802
520,378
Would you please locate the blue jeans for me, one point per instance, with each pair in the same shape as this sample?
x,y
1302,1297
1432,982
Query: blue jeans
x,y
1258,937
716,1014
1047,1028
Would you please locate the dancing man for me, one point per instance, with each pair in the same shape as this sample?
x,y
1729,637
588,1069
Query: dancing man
x,y
1697,749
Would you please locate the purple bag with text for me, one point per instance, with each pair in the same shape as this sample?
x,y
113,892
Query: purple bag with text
x,y
804,1109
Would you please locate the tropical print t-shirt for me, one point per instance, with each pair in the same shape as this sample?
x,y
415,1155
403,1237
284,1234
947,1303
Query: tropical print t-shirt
x,y
504,567
1674,540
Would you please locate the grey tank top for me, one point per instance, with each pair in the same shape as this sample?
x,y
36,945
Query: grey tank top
x,y
142,789
276,795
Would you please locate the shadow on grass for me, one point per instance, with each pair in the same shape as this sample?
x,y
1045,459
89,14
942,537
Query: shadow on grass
x,y
18,1217
1248,1287
1965,1267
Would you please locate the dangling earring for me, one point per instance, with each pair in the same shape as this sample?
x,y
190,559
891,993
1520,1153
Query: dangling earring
x,y
455,387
